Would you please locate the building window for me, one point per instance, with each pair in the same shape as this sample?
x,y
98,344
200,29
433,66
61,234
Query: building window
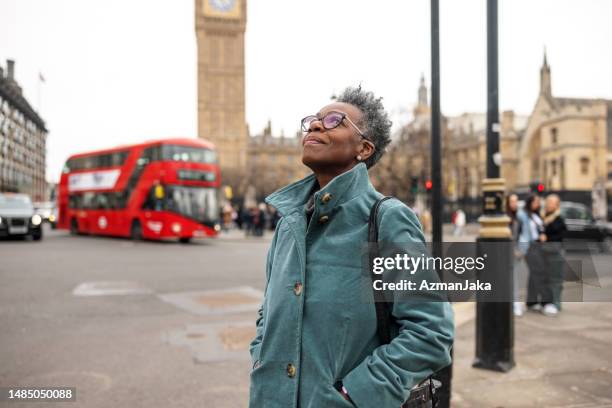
x,y
553,167
584,165
554,136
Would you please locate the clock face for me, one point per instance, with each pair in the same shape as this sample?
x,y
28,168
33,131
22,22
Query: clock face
x,y
222,5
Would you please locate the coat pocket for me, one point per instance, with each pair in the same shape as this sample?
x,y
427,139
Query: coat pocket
x,y
338,399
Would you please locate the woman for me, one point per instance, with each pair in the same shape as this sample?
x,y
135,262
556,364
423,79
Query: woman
x,y
554,229
316,344
532,234
512,211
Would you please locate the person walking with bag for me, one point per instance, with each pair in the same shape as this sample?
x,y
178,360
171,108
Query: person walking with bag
x,y
317,342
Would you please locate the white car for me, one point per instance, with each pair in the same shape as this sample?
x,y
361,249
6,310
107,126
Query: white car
x,y
18,218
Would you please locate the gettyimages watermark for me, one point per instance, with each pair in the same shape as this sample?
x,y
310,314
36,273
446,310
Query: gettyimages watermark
x,y
485,272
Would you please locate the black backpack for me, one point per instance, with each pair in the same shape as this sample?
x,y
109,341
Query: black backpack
x,y
423,395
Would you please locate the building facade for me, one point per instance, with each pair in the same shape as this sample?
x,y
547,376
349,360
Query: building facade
x,y
567,147
253,166
220,27
274,162
22,140
563,144
405,169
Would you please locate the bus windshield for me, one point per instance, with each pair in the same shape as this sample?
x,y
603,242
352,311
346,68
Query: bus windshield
x,y
197,203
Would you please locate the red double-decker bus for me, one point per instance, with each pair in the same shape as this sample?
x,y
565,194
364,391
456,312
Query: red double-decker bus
x,y
155,190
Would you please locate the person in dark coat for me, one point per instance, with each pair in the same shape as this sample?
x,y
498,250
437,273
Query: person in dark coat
x,y
554,229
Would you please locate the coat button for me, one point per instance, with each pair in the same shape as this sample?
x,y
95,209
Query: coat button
x,y
323,219
291,370
326,197
297,288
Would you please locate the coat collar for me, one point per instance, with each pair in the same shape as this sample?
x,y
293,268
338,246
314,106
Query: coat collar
x,y
342,188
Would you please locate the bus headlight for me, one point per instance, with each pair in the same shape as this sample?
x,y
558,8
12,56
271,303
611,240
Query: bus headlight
x,y
52,218
36,219
176,228
217,227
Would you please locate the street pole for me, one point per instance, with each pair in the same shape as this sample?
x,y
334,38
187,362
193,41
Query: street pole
x,y
444,375
494,317
436,173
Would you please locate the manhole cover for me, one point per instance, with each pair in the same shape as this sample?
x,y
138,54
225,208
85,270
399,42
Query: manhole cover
x,y
214,342
216,302
106,288
237,338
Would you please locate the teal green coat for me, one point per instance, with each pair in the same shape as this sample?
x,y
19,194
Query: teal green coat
x,y
314,328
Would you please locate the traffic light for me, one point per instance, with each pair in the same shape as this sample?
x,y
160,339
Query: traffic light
x,y
537,187
428,185
414,185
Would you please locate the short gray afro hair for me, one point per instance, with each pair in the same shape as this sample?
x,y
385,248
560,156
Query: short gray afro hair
x,y
375,121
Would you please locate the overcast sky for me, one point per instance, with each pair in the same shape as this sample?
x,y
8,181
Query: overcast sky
x,y
120,71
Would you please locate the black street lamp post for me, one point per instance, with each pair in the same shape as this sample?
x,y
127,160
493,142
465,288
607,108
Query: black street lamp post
x,y
445,375
494,317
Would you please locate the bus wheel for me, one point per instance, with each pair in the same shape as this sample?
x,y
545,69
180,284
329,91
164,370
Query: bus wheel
x,y
136,231
74,227
185,240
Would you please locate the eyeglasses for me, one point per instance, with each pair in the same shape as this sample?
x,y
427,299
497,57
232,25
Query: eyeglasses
x,y
330,121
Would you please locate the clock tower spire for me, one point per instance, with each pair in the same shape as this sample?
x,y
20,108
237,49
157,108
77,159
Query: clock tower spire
x,y
220,26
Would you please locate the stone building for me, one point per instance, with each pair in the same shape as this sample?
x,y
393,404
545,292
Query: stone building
x,y
220,27
22,140
252,166
274,162
405,169
566,146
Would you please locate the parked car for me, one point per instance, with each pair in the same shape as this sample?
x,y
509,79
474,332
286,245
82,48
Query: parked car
x,y
581,224
48,211
18,218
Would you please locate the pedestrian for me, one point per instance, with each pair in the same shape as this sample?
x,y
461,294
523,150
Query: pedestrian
x,y
239,216
515,228
426,220
532,234
459,221
554,229
227,217
257,221
316,344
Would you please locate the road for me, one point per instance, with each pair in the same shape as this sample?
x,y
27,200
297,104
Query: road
x,y
153,343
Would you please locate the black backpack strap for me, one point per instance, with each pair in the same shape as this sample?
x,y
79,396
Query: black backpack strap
x,y
383,316
425,393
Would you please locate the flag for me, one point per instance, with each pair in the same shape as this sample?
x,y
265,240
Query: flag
x,y
41,78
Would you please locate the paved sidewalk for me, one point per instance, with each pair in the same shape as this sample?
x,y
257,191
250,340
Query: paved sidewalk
x,y
564,361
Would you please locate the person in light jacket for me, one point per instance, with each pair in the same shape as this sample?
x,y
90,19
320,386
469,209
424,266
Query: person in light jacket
x,y
316,344
539,293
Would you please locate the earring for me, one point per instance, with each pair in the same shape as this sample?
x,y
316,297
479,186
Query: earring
x,y
359,158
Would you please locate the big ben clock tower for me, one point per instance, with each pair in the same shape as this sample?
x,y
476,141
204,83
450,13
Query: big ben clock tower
x,y
220,26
